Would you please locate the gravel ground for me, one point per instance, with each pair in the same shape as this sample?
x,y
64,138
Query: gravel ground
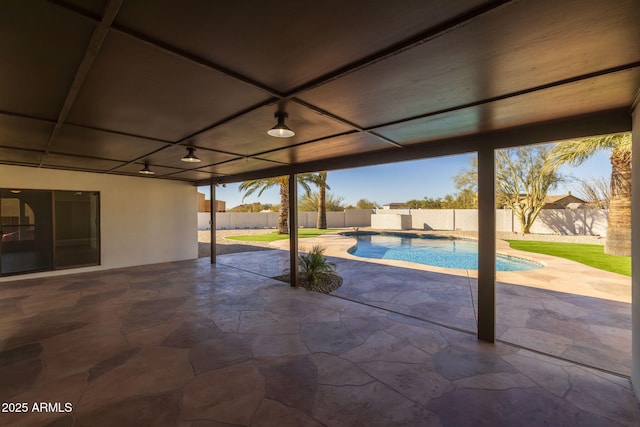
x,y
225,246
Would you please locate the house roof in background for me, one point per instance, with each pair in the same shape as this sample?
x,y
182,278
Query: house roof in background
x,y
560,197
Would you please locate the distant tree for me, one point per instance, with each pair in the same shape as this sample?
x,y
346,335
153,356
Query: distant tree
x,y
466,199
309,202
431,203
415,204
448,201
251,207
596,192
466,182
282,182
366,204
467,179
524,177
576,151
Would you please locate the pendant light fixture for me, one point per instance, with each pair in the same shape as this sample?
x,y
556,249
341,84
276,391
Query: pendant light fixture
x,y
281,130
146,170
190,157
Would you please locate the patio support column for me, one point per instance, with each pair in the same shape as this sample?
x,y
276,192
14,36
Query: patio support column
x,y
212,221
486,245
635,248
293,229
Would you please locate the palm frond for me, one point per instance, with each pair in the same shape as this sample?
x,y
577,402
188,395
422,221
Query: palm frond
x,y
318,179
577,151
260,185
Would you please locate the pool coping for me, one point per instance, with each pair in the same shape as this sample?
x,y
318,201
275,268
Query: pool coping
x,y
558,274
505,250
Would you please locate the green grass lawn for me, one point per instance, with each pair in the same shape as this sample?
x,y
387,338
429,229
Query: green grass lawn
x,y
270,237
591,255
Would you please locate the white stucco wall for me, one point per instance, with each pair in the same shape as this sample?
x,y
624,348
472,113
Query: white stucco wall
x,y
569,222
239,220
550,221
390,222
142,220
357,217
431,219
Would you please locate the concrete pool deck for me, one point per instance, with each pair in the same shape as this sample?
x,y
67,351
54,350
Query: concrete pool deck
x,y
558,274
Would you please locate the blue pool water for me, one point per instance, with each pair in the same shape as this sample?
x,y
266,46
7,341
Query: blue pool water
x,y
429,250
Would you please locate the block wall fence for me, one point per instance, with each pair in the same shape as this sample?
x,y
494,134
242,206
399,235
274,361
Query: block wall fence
x,y
549,221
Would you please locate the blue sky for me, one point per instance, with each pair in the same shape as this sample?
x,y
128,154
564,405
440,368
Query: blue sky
x,y
399,182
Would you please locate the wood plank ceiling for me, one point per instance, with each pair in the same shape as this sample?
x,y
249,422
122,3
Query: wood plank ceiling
x,y
107,86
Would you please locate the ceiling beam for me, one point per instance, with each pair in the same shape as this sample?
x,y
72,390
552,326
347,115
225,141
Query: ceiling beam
x,y
387,52
95,43
613,121
345,122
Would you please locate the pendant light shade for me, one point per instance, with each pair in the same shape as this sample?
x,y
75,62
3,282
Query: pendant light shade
x,y
146,170
281,130
190,157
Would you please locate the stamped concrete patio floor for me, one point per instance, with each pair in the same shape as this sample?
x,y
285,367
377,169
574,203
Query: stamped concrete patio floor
x,y
565,309
190,344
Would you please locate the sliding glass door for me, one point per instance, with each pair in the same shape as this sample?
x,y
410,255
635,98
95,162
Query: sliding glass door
x,y
27,231
76,228
48,230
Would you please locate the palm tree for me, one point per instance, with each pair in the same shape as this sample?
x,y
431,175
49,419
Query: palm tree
x,y
260,185
576,151
319,180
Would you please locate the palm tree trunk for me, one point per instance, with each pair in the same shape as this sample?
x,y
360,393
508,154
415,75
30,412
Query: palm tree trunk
x,y
322,208
618,240
283,226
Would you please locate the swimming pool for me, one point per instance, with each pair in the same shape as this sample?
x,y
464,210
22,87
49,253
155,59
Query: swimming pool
x,y
444,252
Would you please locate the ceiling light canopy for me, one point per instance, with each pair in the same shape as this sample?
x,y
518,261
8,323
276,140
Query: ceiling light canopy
x,y
190,157
281,130
146,170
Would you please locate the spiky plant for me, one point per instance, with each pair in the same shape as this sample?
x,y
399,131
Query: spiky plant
x,y
316,273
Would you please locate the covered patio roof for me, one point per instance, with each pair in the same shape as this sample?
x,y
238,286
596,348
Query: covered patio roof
x,y
107,86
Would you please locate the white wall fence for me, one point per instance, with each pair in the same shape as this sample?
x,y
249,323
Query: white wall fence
x,y
240,220
550,221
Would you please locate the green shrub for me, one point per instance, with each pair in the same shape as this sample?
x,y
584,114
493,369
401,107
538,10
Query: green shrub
x,y
316,273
